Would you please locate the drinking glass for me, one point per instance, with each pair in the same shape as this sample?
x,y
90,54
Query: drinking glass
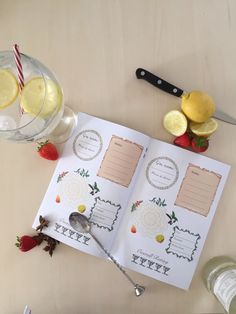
x,y
36,111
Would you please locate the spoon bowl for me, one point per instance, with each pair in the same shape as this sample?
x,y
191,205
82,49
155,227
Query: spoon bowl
x,y
79,222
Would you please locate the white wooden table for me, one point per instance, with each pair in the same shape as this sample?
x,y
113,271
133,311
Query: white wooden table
x,y
94,47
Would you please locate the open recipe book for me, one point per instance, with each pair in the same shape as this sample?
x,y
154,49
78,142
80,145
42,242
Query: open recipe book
x,y
150,203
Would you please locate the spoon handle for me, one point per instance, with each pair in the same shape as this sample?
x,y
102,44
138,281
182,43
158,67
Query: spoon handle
x,y
114,261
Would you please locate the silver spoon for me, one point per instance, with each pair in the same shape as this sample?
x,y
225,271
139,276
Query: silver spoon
x,y
81,224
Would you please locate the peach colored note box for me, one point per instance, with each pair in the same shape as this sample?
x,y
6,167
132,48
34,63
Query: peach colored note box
x,y
198,190
120,161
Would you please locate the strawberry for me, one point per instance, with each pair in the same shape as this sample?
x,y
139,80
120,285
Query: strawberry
x,y
26,243
183,140
199,144
133,229
47,150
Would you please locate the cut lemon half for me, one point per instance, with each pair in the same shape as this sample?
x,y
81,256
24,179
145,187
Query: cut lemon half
x,y
8,88
204,129
41,97
175,122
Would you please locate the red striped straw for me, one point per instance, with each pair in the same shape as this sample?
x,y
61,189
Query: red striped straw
x,y
19,66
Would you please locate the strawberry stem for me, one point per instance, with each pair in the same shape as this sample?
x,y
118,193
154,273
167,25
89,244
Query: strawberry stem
x,y
41,144
200,141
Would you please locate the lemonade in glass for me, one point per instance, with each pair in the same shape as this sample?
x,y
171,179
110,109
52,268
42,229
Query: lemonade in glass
x,y
36,110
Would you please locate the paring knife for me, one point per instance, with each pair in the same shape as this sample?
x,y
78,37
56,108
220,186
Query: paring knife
x,y
176,91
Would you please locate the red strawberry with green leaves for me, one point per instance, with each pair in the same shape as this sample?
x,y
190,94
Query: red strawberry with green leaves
x,y
26,243
183,140
47,150
199,144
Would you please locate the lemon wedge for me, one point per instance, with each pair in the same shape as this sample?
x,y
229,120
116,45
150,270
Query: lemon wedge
x,y
8,88
40,96
204,129
175,122
197,106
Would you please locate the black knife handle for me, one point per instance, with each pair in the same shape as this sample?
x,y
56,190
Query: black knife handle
x,y
158,82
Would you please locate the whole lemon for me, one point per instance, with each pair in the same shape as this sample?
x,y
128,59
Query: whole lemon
x,y
197,106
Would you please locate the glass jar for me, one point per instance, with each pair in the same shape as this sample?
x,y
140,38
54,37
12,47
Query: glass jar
x,y
36,110
219,276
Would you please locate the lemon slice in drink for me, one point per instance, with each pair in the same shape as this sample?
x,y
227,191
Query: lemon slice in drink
x,y
175,122
204,129
40,96
8,88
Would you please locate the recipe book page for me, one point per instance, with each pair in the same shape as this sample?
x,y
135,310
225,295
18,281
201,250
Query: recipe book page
x,y
95,176
169,213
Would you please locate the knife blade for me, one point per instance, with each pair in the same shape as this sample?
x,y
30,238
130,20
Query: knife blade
x,y
178,92
223,116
